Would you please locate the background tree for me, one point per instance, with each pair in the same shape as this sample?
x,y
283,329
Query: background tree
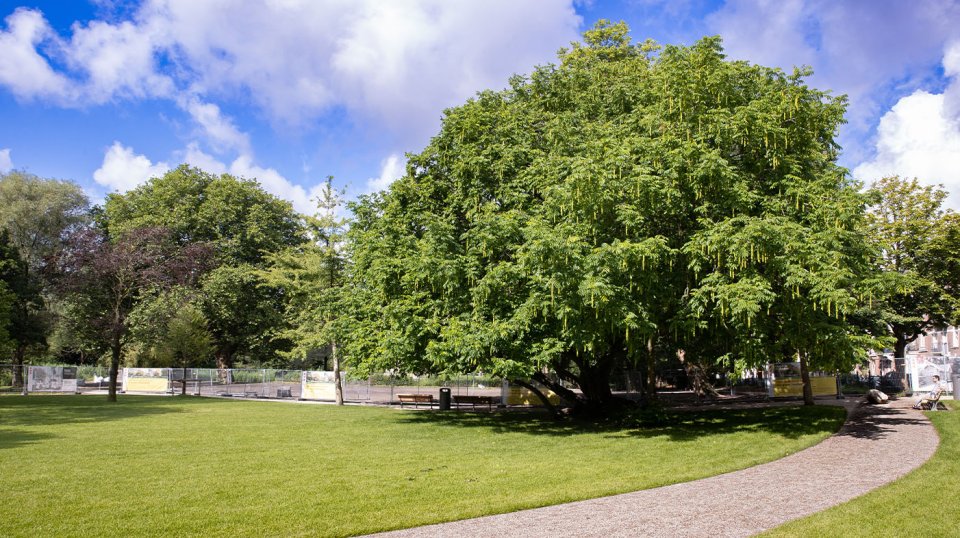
x,y
942,260
6,304
10,269
917,290
23,320
105,278
244,316
186,341
608,212
36,213
312,277
244,224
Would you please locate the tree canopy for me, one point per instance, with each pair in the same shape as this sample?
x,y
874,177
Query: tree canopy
x,y
105,278
610,211
236,215
312,276
38,212
244,224
916,241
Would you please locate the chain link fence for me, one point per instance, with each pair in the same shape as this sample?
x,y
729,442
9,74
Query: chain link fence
x,y
382,389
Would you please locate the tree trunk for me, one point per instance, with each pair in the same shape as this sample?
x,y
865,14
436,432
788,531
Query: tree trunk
x,y
224,356
18,354
183,381
338,386
699,381
650,381
543,397
116,350
596,398
564,393
805,378
899,350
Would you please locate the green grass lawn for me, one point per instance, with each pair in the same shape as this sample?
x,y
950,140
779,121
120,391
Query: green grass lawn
x,y
76,465
918,504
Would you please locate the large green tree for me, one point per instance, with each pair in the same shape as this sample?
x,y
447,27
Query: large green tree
x,y
608,212
916,240
244,224
36,214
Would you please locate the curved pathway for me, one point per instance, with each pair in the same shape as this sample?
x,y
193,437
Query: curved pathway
x,y
876,445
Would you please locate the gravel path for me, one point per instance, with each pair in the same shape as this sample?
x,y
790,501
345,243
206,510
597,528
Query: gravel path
x,y
876,445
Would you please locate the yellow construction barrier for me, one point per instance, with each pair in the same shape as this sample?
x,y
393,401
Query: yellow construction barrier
x,y
523,396
793,386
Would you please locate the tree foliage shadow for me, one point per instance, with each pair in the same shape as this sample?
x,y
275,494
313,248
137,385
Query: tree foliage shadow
x,y
876,422
18,412
681,426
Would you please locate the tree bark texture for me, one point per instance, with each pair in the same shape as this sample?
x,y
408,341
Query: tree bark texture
x,y
805,378
337,380
116,351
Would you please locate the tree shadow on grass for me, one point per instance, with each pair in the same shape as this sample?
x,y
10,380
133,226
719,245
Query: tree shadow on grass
x,y
12,438
787,422
38,411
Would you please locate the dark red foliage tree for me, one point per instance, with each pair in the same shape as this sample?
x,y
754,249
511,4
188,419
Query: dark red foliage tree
x,y
105,278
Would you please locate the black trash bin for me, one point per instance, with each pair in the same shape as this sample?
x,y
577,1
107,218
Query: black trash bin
x,y
444,398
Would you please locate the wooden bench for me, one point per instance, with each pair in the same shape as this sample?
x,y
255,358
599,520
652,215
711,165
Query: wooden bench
x,y
933,403
474,400
415,399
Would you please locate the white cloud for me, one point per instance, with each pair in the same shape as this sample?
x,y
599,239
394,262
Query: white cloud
x,y
951,59
917,139
194,156
396,63
220,130
272,181
6,164
871,51
118,59
391,168
951,68
123,170
22,68
765,32
920,136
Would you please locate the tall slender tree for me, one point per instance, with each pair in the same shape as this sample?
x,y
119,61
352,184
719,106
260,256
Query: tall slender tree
x,y
313,277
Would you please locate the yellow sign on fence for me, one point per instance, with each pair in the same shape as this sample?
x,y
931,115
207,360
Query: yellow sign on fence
x,y
522,396
135,383
793,386
317,385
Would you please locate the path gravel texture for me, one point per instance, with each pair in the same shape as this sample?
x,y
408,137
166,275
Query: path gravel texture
x,y
875,446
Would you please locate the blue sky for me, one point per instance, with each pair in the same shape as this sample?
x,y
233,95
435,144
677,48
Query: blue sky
x,y
109,93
